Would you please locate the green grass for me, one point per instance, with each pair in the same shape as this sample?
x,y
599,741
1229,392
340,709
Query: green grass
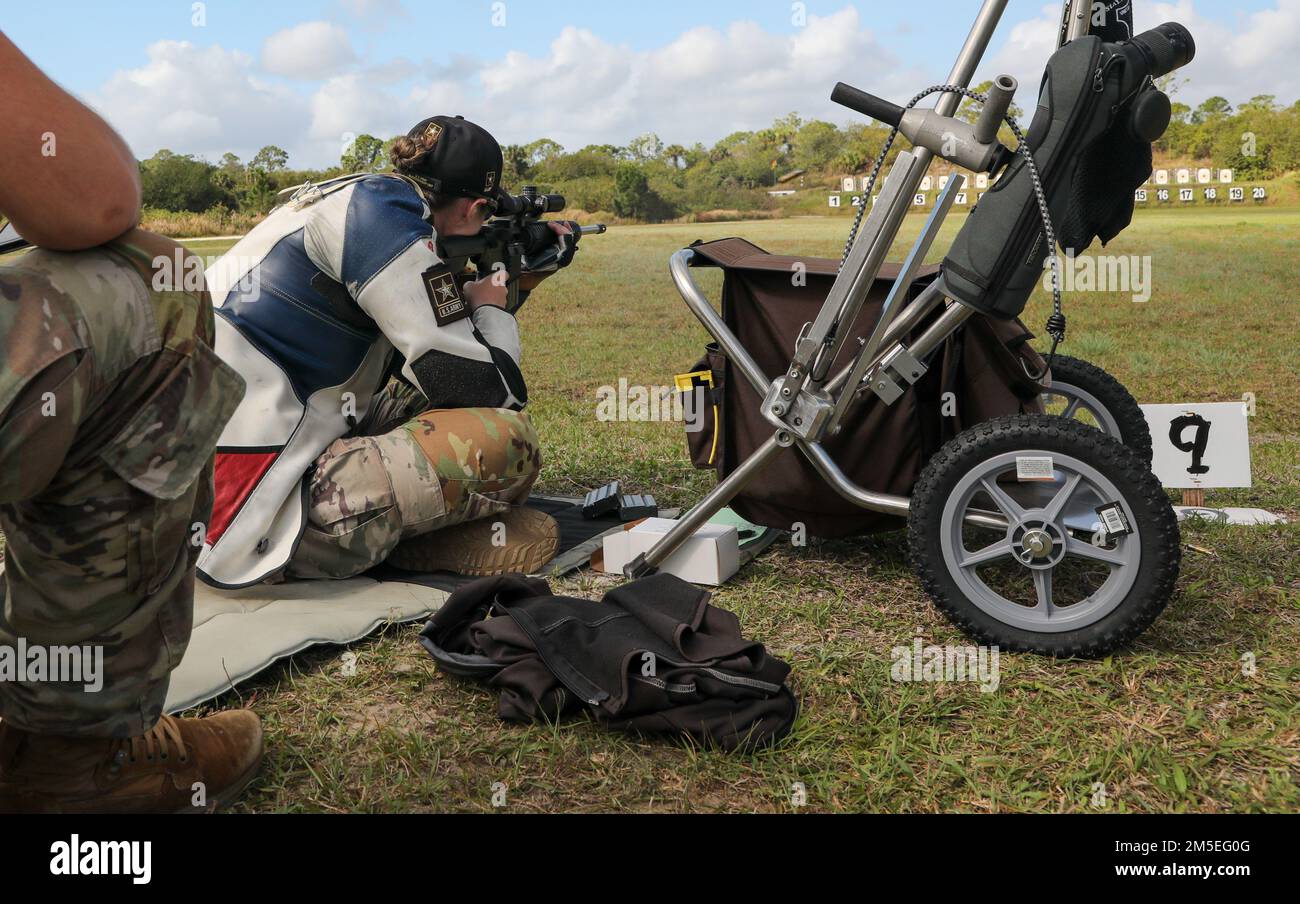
x,y
1171,724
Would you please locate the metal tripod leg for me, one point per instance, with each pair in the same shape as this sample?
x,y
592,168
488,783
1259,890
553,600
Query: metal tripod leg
x,y
709,506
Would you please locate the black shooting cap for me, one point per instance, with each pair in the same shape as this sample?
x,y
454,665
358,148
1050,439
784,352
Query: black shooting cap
x,y
465,159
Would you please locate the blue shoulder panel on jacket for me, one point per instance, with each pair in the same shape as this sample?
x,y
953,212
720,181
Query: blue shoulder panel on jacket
x,y
384,219
284,315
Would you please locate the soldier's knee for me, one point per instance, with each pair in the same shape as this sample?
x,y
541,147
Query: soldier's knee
x,y
478,443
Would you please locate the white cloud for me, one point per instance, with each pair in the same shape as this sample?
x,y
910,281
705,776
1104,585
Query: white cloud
x,y
703,85
352,104
1255,57
1028,45
310,51
583,89
202,101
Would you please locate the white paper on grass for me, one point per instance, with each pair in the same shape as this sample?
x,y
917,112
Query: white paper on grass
x,y
1249,517
1222,431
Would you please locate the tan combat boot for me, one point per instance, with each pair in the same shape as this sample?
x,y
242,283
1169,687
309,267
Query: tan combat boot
x,y
179,766
528,541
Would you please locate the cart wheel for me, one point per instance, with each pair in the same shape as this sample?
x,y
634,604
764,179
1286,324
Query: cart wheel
x,y
1033,565
1086,393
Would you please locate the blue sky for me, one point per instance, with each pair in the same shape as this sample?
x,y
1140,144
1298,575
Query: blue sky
x,y
577,71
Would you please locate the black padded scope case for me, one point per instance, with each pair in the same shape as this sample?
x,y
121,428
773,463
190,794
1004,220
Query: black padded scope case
x,y
1090,163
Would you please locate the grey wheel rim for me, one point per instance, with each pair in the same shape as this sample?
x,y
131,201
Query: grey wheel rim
x,y
1079,401
1042,528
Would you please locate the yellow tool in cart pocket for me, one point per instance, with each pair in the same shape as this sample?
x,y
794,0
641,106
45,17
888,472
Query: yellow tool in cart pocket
x,y
701,379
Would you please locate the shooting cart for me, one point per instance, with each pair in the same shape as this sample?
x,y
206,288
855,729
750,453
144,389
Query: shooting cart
x,y
1033,531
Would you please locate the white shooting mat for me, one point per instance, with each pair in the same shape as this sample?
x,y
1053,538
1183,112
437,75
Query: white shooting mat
x,y
239,633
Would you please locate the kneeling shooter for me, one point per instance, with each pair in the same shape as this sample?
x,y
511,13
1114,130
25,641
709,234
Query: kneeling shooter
x,y
385,394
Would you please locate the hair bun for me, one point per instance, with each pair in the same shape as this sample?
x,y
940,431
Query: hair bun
x,y
407,153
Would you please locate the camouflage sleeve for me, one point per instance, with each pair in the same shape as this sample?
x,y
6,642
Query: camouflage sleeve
x,y
38,428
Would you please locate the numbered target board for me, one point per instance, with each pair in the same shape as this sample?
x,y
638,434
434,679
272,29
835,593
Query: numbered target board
x,y
1203,446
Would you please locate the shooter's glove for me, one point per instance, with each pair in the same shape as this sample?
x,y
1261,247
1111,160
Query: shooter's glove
x,y
568,244
558,254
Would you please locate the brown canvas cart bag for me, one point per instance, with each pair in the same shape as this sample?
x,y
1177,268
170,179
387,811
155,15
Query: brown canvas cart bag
x,y
766,300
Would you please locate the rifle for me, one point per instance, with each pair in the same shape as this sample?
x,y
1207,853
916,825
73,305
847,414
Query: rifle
x,y
517,241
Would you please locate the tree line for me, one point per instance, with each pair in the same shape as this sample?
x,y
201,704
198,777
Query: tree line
x,y
1259,139
651,180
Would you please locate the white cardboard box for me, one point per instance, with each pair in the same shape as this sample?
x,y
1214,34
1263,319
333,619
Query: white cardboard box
x,y
711,556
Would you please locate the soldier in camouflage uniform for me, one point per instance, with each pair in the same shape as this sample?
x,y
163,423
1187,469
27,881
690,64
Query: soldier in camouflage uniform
x,y
111,400
113,403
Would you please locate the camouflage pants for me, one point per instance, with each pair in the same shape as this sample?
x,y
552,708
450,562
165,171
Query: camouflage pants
x,y
435,470
111,402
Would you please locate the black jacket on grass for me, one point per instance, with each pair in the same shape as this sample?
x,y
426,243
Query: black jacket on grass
x,y
653,657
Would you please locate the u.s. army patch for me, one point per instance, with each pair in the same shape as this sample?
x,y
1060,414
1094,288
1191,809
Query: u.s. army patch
x,y
444,295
